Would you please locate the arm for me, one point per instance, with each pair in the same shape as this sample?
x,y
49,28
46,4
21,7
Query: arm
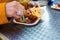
x,y
10,10
3,17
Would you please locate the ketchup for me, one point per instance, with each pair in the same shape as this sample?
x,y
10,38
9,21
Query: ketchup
x,y
58,5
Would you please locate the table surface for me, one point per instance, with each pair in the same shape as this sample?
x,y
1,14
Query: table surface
x,y
48,28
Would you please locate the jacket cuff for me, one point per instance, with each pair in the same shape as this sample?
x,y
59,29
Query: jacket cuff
x,y
3,17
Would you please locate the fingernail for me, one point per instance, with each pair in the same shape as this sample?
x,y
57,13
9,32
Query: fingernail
x,y
18,13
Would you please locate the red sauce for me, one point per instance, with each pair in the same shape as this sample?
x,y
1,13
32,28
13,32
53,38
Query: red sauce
x,y
58,5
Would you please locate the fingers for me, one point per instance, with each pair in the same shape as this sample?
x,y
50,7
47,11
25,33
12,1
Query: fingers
x,y
22,8
33,4
12,8
18,7
37,4
15,16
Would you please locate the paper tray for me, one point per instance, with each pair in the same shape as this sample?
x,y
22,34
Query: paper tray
x,y
26,23
54,7
31,23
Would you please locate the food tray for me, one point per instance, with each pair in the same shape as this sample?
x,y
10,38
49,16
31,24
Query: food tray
x,y
30,23
54,7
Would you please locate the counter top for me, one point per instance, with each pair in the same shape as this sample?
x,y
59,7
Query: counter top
x,y
48,28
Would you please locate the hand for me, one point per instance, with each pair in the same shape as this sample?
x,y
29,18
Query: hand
x,y
12,8
33,4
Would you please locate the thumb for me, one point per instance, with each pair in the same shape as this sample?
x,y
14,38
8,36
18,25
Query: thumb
x,y
16,16
37,4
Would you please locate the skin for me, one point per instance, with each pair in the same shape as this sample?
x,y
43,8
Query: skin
x,y
14,6
33,4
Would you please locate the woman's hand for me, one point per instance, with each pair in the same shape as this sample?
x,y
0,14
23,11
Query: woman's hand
x,y
33,4
12,8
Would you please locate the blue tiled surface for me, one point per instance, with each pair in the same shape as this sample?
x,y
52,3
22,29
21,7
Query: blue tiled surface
x,y
58,2
48,29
